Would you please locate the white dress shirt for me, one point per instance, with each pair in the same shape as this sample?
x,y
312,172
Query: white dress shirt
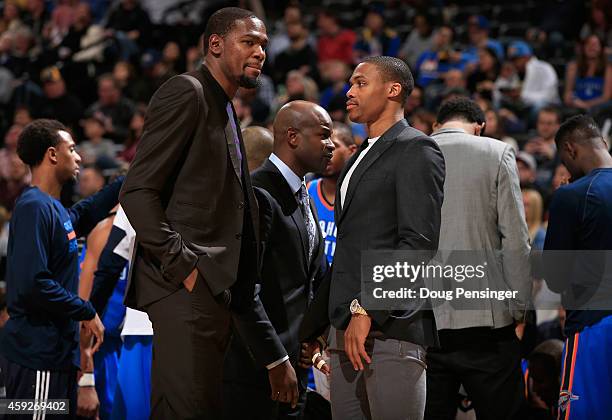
x,y
347,178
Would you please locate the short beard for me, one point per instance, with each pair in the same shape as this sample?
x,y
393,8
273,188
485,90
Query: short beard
x,y
247,82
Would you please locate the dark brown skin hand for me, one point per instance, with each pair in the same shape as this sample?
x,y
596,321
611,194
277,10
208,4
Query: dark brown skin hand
x,y
283,382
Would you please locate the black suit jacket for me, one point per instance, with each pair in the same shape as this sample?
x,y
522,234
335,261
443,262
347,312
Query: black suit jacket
x,y
288,279
191,204
393,202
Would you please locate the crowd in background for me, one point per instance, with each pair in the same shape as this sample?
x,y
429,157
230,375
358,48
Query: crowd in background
x,y
94,65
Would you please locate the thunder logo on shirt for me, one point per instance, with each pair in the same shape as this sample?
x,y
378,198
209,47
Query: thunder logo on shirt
x,y
71,236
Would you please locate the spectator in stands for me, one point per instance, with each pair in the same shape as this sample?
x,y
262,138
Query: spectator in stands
x,y
71,43
36,16
376,38
134,134
599,22
433,63
336,73
57,103
542,147
534,210
414,101
482,80
116,109
243,112
280,40
540,85
9,149
20,60
96,145
454,84
22,116
588,79
10,18
478,32
131,26
172,57
418,41
495,129
299,54
91,180
527,168
334,43
258,145
12,186
299,87
423,120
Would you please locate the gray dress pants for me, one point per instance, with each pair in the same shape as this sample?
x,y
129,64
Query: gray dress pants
x,y
392,387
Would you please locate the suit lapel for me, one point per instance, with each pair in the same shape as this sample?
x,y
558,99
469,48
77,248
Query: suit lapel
x,y
290,206
380,147
231,146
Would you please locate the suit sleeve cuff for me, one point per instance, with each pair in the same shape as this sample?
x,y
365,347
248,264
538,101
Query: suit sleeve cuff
x,y
278,362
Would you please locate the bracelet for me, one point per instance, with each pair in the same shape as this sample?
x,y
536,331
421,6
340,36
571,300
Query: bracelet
x,y
321,363
314,357
87,379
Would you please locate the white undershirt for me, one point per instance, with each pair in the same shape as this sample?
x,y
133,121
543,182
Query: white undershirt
x,y
347,178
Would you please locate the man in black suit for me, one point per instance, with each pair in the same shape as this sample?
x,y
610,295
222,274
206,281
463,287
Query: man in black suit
x,y
294,261
389,197
188,196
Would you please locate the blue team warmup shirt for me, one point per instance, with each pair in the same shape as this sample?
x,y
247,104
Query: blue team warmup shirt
x,y
325,213
42,277
581,219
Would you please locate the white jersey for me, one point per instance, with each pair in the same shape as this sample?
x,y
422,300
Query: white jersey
x,y
136,322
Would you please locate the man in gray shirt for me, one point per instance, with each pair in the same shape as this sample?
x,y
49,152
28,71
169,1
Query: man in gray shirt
x,y
482,213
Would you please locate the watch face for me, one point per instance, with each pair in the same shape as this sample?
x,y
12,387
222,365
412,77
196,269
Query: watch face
x,y
354,305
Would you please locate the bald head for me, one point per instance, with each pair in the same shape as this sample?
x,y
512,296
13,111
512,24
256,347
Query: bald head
x,y
297,115
302,132
258,144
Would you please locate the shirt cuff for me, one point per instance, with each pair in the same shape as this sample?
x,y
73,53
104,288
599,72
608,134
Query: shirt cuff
x,y
278,362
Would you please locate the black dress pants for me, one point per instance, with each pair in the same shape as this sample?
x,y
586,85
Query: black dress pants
x,y
488,364
192,331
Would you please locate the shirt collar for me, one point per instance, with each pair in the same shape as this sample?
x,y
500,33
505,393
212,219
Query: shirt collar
x,y
294,181
449,130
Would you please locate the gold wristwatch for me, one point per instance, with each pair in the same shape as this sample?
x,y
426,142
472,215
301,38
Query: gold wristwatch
x,y
356,308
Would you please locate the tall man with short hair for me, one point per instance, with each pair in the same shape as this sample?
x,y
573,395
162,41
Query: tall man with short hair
x,y
40,339
188,196
389,198
482,212
580,226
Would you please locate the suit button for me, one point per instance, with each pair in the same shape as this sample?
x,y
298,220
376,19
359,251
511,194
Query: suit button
x,y
241,205
238,235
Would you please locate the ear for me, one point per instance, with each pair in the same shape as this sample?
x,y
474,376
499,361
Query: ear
x,y
571,148
352,148
292,137
479,129
215,44
435,126
395,90
52,155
